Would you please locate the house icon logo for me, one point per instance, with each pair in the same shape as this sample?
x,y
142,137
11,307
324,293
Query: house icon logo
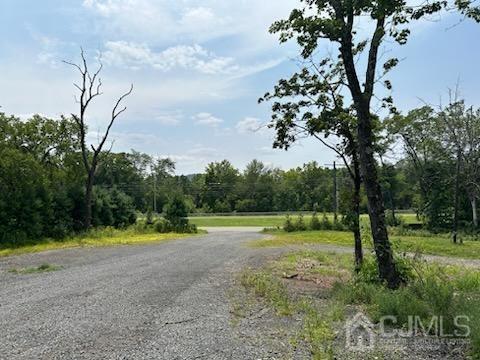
x,y
360,335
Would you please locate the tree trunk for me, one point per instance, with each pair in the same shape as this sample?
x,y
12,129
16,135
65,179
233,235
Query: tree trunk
x,y
392,207
474,212
87,222
386,264
456,199
356,220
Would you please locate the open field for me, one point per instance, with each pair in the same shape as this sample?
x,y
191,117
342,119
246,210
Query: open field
x,y
433,244
267,220
97,238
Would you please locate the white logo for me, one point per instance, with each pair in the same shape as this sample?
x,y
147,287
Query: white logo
x,y
359,333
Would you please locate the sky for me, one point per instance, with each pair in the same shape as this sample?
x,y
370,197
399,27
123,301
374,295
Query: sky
x,y
198,68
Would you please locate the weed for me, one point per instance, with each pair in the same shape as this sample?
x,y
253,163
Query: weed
x,y
39,269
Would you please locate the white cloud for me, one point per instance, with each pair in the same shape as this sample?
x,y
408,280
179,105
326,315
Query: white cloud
x,y
125,140
249,125
195,158
268,150
198,17
207,119
170,118
108,8
195,57
205,152
173,21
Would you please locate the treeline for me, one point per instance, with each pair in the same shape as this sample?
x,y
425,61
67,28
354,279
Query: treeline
x,y
442,160
42,178
42,182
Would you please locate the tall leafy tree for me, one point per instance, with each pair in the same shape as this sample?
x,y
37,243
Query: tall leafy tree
x,y
459,136
336,21
220,185
311,103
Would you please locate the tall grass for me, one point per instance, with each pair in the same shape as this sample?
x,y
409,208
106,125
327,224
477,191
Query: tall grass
x,y
433,291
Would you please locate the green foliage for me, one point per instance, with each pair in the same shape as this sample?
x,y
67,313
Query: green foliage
x,y
432,291
289,226
38,269
176,211
163,226
326,223
315,223
112,207
25,197
300,224
149,217
270,288
176,218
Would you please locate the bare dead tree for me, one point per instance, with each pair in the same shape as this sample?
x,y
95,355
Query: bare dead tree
x,y
90,88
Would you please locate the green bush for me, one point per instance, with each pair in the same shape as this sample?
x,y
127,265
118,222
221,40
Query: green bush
x,y
176,211
369,270
431,292
339,226
245,205
300,224
326,224
221,206
25,198
112,207
288,225
164,226
315,223
149,217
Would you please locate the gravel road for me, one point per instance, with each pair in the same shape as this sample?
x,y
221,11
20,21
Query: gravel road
x,y
159,301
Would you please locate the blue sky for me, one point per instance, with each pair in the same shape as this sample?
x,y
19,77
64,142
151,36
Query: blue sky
x,y
198,68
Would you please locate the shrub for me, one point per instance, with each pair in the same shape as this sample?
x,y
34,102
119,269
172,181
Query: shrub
x,y
369,270
288,225
112,207
149,219
164,226
176,211
326,224
222,206
300,224
25,198
315,223
245,205
338,226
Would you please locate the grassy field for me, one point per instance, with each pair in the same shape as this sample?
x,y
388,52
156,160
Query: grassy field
x,y
433,244
264,220
95,238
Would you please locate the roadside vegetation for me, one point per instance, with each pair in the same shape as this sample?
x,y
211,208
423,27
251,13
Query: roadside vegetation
x,y
325,290
311,231
173,225
33,270
134,235
273,221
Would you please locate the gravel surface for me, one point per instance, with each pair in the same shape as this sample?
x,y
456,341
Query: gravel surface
x,y
160,301
163,301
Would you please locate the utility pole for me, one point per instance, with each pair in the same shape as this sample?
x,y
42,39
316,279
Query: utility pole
x,y
154,193
335,192
457,197
336,202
